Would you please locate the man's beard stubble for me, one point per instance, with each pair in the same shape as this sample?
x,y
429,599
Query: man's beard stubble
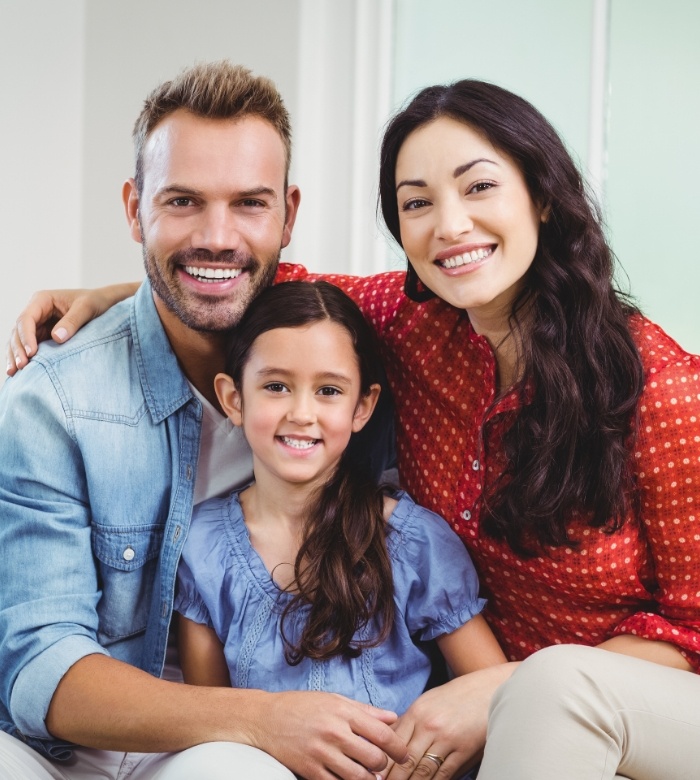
x,y
218,315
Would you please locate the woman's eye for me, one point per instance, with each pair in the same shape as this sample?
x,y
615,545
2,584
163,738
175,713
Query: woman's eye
x,y
480,186
413,205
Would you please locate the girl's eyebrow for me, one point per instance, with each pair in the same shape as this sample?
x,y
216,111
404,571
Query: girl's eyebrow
x,y
328,376
455,174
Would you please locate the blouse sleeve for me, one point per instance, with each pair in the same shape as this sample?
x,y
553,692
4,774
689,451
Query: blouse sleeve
x,y
435,582
667,464
188,601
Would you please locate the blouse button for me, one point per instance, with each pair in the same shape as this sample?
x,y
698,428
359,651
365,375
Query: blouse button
x,y
475,465
466,515
129,554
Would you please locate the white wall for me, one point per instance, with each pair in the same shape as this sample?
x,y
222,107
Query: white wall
x,y
41,134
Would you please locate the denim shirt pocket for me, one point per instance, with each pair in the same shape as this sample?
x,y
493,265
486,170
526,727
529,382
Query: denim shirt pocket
x,y
127,566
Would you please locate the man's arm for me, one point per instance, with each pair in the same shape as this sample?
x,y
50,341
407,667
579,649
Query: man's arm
x,y
106,704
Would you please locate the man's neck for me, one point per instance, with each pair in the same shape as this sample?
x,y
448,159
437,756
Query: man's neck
x,y
201,354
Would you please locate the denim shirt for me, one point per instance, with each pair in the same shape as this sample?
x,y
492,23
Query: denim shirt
x,y
99,440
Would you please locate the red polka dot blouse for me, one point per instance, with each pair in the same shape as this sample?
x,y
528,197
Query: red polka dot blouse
x,y
642,580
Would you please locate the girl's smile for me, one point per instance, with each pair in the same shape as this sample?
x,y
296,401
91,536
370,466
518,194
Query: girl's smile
x,y
300,401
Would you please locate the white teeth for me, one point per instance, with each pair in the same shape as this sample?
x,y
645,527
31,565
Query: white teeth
x,y
466,258
299,444
211,274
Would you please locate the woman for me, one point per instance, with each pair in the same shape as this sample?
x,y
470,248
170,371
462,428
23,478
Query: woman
x,y
558,431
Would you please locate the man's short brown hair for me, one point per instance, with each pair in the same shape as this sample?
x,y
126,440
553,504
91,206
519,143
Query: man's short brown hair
x,y
213,90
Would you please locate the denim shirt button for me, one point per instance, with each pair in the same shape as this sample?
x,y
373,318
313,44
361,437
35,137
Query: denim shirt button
x,y
129,554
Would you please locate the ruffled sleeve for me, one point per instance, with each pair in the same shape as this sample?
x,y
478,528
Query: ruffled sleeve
x,y
436,585
188,601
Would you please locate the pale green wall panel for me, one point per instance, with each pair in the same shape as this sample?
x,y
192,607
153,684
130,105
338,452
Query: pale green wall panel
x,y
538,49
653,179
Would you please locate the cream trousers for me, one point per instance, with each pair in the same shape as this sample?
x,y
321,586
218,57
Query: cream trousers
x,y
213,761
579,713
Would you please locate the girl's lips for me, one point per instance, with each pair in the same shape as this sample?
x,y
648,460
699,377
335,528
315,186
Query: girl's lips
x,y
297,443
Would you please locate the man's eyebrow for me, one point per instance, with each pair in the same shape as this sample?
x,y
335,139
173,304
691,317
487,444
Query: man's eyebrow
x,y
456,173
180,189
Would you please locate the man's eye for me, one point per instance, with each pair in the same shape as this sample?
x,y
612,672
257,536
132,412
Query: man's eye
x,y
180,202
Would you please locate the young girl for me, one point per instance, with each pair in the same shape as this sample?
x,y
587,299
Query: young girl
x,y
314,577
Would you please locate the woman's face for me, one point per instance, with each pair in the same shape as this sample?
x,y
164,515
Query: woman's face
x,y
468,224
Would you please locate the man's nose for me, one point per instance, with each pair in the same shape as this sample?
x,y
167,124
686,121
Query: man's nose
x,y
217,229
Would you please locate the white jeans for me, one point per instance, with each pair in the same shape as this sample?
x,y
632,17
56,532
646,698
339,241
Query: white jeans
x,y
586,714
212,760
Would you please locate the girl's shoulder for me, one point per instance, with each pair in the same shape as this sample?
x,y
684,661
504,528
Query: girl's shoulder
x,y
414,530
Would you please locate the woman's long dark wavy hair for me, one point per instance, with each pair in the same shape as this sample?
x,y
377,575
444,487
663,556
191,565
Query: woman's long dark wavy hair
x,y
342,571
568,448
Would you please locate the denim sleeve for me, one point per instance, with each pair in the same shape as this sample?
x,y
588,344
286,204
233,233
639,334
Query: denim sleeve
x,y
48,581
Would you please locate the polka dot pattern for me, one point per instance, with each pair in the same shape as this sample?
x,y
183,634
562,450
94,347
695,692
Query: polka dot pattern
x,y
643,580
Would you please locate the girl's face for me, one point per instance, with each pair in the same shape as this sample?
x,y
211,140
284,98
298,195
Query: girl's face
x,y
468,224
299,402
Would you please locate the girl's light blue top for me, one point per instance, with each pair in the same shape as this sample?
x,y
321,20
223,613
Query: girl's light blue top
x,y
223,583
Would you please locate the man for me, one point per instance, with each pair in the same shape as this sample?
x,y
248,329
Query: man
x,y
106,444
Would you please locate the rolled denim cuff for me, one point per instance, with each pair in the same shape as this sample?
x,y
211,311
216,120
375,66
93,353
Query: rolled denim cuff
x,y
37,682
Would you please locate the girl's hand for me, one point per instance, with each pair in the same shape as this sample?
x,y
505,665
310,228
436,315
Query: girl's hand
x,y
58,314
448,723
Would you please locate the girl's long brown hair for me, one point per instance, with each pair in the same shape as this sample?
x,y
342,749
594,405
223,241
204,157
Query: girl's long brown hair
x,y
342,571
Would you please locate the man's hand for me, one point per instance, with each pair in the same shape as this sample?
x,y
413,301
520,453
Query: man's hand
x,y
58,314
448,723
323,736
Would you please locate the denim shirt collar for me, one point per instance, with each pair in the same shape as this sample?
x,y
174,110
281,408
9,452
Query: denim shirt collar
x,y
164,385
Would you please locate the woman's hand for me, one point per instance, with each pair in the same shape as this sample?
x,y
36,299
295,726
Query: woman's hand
x,y
448,724
58,314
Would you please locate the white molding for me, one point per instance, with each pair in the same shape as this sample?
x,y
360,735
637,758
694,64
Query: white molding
x,y
598,105
344,99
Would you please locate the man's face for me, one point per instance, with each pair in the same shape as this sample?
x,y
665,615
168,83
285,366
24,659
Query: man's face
x,y
212,217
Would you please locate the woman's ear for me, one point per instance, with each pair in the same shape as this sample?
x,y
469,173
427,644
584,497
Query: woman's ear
x,y
229,398
365,407
544,214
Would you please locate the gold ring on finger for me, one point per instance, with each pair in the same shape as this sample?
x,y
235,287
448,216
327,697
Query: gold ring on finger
x,y
439,760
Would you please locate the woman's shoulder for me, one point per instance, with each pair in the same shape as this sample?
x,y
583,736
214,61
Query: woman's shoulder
x,y
658,349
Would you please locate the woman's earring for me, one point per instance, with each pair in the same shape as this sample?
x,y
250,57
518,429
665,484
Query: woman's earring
x,y
414,288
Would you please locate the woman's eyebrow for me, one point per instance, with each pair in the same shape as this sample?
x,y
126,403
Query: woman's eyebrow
x,y
456,173
464,168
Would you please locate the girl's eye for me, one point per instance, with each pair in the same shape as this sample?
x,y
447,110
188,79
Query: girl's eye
x,y
275,387
329,391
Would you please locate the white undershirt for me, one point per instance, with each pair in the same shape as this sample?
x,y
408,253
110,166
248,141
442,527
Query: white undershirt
x,y
225,460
